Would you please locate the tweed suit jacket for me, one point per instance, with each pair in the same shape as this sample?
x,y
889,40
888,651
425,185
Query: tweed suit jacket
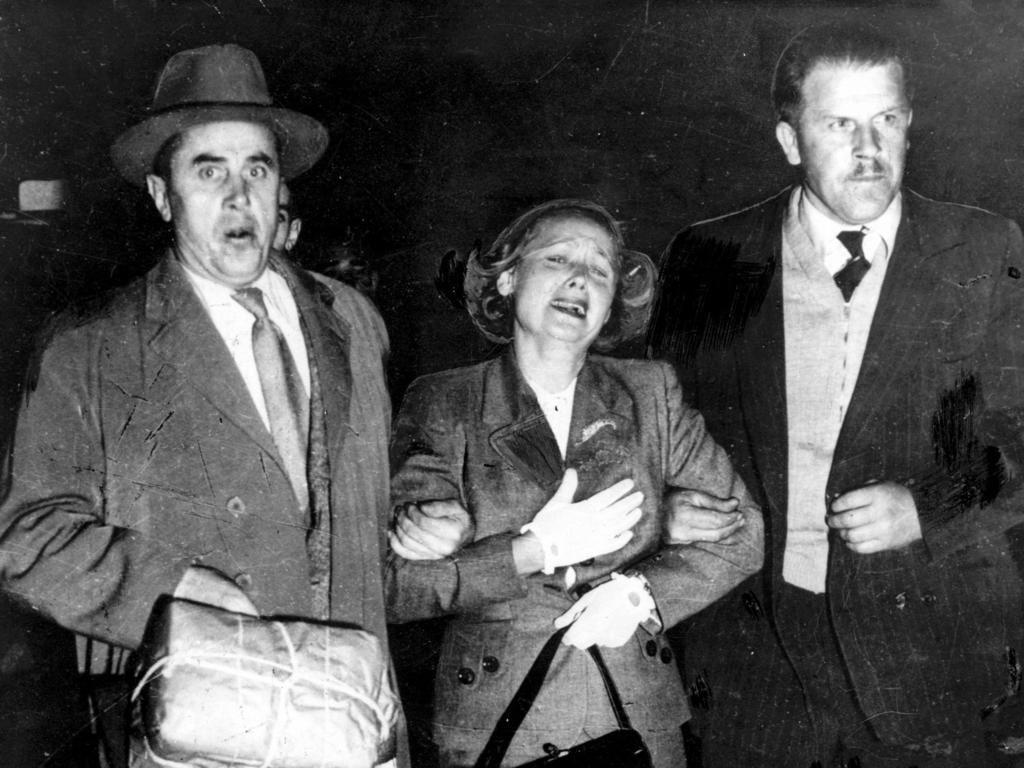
x,y
477,434
930,633
139,452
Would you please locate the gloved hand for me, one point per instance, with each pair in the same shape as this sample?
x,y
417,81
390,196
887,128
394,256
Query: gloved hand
x,y
570,532
608,614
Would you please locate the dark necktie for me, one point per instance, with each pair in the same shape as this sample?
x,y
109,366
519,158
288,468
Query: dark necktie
x,y
849,277
285,397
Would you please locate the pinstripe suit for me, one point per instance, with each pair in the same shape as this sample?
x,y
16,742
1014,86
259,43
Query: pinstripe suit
x,y
922,632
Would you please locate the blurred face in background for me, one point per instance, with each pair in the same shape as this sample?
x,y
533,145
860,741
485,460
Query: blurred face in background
x,y
288,226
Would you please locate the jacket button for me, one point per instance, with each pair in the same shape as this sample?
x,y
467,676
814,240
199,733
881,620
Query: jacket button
x,y
236,506
651,648
666,655
491,664
928,598
243,580
466,676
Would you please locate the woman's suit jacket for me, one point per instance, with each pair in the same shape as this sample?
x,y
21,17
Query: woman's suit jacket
x,y
477,434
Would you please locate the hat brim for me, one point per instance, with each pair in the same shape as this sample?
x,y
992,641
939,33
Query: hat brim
x,y
302,140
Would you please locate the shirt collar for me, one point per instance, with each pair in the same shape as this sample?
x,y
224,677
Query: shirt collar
x,y
216,294
822,230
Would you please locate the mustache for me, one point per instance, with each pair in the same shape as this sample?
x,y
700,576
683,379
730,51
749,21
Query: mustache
x,y
873,167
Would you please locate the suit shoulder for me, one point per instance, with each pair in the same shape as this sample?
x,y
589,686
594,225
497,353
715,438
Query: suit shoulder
x,y
450,383
956,214
105,312
738,225
356,309
73,333
635,372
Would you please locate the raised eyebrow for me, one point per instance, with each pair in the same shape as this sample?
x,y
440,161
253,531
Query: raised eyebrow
x,y
263,157
203,158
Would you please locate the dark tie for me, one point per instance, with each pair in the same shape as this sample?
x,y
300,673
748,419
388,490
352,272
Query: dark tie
x,y
285,397
849,277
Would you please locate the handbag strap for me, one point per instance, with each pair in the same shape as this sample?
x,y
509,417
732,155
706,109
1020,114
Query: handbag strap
x,y
524,697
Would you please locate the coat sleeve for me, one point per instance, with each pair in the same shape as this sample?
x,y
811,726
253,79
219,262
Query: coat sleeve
x,y
58,553
687,578
428,454
973,485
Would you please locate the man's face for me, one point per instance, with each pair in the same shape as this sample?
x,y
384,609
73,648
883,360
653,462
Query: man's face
x,y
222,200
288,226
850,138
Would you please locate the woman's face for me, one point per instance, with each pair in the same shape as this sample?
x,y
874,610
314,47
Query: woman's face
x,y
563,283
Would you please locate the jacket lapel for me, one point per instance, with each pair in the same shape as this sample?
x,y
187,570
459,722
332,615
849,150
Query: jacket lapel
x,y
905,306
327,339
602,436
182,334
761,365
523,437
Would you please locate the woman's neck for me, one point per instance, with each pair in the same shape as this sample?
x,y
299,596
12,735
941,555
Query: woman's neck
x,y
550,366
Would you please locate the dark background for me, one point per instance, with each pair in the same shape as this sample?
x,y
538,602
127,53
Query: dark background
x,y
447,119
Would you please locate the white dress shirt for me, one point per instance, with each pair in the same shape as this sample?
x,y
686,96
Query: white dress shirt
x,y
234,324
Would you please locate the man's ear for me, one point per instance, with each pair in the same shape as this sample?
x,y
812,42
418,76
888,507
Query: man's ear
x,y
294,227
507,282
786,135
157,188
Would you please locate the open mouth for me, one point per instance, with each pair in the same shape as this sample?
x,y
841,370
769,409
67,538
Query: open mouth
x,y
239,235
572,308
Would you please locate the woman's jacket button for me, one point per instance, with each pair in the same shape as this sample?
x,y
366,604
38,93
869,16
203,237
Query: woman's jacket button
x,y
651,647
491,664
466,676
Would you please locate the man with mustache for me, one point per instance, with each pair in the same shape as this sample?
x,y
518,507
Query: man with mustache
x,y
218,429
858,349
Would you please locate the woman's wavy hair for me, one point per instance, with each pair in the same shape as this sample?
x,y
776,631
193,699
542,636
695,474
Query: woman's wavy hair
x,y
635,274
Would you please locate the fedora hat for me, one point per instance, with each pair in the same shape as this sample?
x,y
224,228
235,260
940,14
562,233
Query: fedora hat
x,y
212,84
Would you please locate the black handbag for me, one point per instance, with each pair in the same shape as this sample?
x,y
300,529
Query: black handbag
x,y
621,748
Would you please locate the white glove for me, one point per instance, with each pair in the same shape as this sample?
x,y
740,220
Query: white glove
x,y
609,614
571,533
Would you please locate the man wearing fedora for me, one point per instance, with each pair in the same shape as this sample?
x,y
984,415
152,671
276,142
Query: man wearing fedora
x,y
216,430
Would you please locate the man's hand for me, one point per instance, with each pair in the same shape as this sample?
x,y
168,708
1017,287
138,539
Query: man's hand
x,y
570,533
876,518
608,614
205,585
692,516
431,530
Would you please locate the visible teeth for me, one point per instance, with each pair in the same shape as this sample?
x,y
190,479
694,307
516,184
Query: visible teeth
x,y
575,309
